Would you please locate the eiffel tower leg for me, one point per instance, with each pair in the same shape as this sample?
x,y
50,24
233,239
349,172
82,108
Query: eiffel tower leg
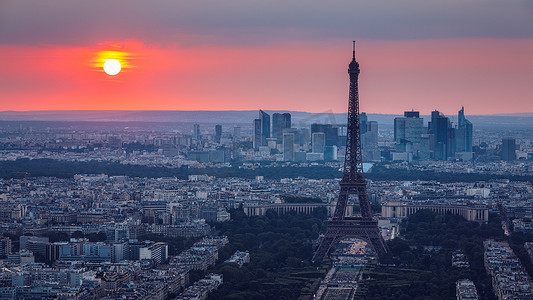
x,y
323,248
380,246
342,201
364,204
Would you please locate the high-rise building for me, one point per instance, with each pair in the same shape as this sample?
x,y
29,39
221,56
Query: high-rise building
x,y
318,141
218,133
257,134
261,129
431,124
298,140
305,135
236,133
280,122
409,127
424,152
463,136
450,151
265,125
288,146
444,136
196,131
363,119
411,114
508,148
331,132
369,138
399,129
369,142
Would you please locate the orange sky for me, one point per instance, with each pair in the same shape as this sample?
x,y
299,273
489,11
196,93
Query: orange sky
x,y
485,75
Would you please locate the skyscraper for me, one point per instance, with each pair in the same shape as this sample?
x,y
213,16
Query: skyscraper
x,y
369,142
280,122
331,132
442,130
363,119
297,135
236,133
408,132
196,131
424,152
218,133
464,135
265,127
318,142
431,124
450,150
257,134
399,129
288,146
508,148
409,127
261,129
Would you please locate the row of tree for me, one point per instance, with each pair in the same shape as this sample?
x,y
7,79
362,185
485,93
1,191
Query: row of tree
x,y
281,248
67,169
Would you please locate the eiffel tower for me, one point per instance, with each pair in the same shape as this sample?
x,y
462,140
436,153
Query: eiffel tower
x,y
340,226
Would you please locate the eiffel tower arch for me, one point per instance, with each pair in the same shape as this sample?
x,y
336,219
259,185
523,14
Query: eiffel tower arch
x,y
340,226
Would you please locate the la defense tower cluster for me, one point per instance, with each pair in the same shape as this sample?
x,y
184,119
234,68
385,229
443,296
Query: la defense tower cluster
x,y
340,226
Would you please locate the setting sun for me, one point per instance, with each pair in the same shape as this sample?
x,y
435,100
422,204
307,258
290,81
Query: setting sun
x,y
112,66
112,61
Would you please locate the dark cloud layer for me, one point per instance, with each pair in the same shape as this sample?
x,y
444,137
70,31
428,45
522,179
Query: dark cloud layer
x,y
81,22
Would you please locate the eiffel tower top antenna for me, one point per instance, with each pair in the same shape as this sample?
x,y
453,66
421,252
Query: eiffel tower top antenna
x,y
353,49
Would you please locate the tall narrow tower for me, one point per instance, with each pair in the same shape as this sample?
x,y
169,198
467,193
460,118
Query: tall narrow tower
x,y
340,226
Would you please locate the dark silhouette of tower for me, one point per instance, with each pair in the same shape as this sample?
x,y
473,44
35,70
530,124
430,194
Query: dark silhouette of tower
x,y
353,183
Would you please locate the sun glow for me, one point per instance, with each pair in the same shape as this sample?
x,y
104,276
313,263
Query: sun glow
x,y
112,67
112,62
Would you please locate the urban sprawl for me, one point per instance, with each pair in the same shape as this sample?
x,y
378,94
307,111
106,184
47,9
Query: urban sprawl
x,y
101,236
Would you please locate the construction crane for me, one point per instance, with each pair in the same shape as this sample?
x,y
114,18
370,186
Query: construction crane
x,y
25,177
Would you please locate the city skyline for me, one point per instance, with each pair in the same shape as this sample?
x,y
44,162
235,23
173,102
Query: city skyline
x,y
187,150
245,56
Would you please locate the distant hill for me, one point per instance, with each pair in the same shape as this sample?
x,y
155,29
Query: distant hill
x,y
219,117
299,119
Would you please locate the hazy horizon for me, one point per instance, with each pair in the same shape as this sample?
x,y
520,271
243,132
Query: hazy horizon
x,y
229,117
249,110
